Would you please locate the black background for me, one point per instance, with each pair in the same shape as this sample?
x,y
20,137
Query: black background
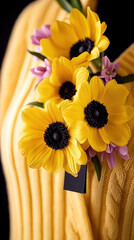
x,y
119,16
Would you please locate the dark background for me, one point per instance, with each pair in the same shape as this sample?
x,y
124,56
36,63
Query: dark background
x,y
120,30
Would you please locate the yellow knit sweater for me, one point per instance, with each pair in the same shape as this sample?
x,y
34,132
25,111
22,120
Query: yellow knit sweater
x,y
39,207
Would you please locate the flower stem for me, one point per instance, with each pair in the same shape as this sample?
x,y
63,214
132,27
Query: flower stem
x,y
97,166
124,79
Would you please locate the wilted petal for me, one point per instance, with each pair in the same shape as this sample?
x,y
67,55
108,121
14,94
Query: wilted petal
x,y
111,159
109,148
90,153
123,150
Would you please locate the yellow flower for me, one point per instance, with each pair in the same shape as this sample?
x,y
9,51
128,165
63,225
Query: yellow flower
x,y
47,142
80,40
63,82
99,114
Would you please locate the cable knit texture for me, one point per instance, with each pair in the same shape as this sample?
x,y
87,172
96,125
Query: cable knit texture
x,y
39,207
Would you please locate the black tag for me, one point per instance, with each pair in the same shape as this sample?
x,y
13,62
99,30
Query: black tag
x,y
76,184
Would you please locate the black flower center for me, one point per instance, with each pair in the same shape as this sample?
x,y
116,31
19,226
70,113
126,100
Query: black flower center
x,y
67,90
80,47
56,135
96,114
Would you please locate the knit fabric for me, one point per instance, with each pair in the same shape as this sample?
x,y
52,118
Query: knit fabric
x,y
39,207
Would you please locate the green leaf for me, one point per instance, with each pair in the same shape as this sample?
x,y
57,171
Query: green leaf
x,y
90,74
124,79
90,70
89,78
77,4
39,55
37,104
98,63
97,166
65,5
102,54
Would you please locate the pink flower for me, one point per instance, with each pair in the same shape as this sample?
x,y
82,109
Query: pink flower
x,y
110,154
90,153
39,34
38,50
109,69
42,72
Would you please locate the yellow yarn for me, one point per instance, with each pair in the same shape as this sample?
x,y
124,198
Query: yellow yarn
x,y
39,207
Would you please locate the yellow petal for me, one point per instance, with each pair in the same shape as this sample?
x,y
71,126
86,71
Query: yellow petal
x,y
64,105
70,164
62,71
83,95
73,148
50,50
29,139
103,135
81,75
120,114
103,27
97,33
29,133
38,155
118,134
47,90
82,158
110,84
73,113
93,14
68,64
62,39
95,140
54,112
94,54
63,35
54,163
85,145
115,94
103,43
96,88
82,60
32,116
79,24
92,19
79,130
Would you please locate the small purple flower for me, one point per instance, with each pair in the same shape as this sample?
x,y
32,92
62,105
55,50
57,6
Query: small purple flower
x,y
90,153
110,154
109,69
39,34
42,72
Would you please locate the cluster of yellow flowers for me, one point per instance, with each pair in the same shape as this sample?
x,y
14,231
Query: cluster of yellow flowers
x,y
78,112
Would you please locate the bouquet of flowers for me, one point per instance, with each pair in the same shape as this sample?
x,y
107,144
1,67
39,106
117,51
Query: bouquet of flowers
x,y
80,112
